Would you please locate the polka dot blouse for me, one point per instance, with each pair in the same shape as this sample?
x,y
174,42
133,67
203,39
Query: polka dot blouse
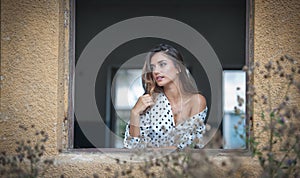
x,y
157,128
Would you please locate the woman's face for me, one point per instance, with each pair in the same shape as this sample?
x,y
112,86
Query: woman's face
x,y
163,69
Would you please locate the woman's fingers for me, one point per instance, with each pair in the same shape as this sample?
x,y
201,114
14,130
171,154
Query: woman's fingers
x,y
147,100
149,103
143,103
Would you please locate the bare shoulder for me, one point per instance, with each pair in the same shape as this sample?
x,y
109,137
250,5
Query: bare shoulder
x,y
199,103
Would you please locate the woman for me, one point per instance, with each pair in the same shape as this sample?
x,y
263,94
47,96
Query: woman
x,y
172,112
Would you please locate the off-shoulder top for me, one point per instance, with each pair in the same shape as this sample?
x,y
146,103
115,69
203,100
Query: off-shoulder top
x,y
157,128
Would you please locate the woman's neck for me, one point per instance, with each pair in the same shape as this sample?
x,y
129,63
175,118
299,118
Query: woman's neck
x,y
173,93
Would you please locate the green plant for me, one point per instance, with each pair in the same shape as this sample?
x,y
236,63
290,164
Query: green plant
x,y
276,121
27,162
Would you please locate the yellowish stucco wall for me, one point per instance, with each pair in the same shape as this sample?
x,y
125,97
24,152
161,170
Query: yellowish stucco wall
x,y
276,33
32,70
34,75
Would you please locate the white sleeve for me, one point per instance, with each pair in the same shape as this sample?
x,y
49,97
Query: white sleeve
x,y
143,139
201,129
191,132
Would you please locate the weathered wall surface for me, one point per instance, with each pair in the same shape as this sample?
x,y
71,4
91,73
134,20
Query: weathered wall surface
x,y
30,70
276,33
34,67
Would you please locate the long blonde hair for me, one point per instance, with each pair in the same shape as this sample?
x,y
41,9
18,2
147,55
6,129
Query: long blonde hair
x,y
187,83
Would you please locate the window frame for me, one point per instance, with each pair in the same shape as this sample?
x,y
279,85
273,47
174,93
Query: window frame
x,y
249,57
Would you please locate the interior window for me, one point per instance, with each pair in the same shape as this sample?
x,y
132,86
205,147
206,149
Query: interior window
x,y
128,88
234,132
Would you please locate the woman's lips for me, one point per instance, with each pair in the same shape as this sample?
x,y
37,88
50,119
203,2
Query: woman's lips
x,y
159,78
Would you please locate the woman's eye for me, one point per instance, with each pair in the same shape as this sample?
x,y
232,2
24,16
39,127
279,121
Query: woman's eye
x,y
151,68
162,64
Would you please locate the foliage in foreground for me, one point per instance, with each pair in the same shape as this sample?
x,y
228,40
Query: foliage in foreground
x,y
276,122
27,161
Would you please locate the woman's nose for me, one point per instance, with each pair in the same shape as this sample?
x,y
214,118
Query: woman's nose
x,y
155,71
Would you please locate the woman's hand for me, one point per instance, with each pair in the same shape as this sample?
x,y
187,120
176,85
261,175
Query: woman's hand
x,y
142,104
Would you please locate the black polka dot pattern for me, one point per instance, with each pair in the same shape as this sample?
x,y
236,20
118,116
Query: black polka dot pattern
x,y
157,128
